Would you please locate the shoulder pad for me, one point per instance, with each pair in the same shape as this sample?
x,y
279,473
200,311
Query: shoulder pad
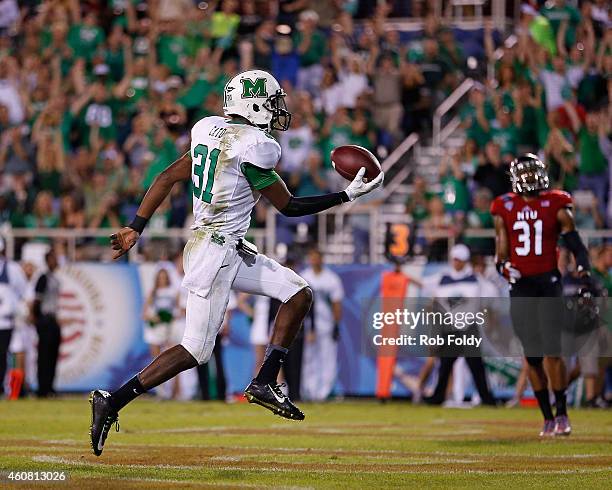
x,y
558,196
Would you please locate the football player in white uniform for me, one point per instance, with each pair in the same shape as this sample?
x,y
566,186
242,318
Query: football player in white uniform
x,y
231,163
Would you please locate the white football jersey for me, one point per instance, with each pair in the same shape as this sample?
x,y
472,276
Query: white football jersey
x,y
222,196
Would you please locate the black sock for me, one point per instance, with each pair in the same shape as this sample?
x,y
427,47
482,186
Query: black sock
x,y
560,402
275,356
126,393
544,402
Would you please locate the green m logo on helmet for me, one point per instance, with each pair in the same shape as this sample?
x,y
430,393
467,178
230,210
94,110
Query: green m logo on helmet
x,y
251,89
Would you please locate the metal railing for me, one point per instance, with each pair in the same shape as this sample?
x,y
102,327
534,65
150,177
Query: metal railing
x,y
336,241
439,133
75,238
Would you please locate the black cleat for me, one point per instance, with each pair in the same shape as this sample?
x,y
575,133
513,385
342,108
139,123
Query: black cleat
x,y
271,397
103,416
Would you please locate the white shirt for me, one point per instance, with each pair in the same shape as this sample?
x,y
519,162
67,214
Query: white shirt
x,y
353,85
331,99
553,86
222,196
575,74
455,284
296,145
9,13
327,288
9,97
12,291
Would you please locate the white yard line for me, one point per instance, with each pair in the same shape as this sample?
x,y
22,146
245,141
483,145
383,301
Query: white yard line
x,y
269,450
53,459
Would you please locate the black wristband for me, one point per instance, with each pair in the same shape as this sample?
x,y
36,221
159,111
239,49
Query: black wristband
x,y
576,246
138,224
302,206
500,266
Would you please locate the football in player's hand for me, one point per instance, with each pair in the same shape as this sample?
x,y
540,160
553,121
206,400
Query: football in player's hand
x,y
348,159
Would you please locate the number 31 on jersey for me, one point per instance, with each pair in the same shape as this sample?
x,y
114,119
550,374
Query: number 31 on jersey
x,y
527,235
204,164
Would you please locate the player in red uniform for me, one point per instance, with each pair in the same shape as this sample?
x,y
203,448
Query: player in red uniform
x,y
528,224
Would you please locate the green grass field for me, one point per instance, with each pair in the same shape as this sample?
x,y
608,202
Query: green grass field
x,y
339,445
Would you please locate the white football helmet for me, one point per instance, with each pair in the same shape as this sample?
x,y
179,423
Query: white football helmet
x,y
259,98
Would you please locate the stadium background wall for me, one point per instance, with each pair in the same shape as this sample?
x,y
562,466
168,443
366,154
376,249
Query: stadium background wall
x,y
109,297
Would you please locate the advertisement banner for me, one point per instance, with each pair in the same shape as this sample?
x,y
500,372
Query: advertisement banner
x,y
102,332
100,312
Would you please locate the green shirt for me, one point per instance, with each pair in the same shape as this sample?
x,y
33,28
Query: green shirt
x,y
114,60
454,58
455,193
258,178
543,34
196,94
506,138
100,115
172,50
419,209
49,221
84,40
527,133
604,278
315,51
165,154
338,136
477,218
556,15
592,160
224,27
50,181
475,131
136,91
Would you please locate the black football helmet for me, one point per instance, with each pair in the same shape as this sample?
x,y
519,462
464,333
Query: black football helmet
x,y
528,175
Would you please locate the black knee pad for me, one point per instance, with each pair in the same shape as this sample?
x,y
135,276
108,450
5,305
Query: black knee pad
x,y
535,361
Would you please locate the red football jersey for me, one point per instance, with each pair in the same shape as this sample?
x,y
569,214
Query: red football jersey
x,y
532,228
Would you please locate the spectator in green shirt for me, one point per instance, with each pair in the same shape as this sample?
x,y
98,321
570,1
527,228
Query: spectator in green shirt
x,y
455,192
224,24
94,108
451,51
200,74
480,218
475,116
560,155
558,11
54,42
311,47
336,131
42,215
600,267
173,48
529,117
113,53
134,86
539,28
85,38
162,151
505,134
417,204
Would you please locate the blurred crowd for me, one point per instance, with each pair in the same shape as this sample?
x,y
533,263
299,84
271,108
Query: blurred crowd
x,y
549,96
96,98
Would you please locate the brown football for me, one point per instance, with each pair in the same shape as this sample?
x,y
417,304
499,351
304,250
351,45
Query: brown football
x,y
348,159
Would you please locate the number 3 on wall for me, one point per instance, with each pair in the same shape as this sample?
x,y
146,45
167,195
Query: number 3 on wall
x,y
200,152
525,237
